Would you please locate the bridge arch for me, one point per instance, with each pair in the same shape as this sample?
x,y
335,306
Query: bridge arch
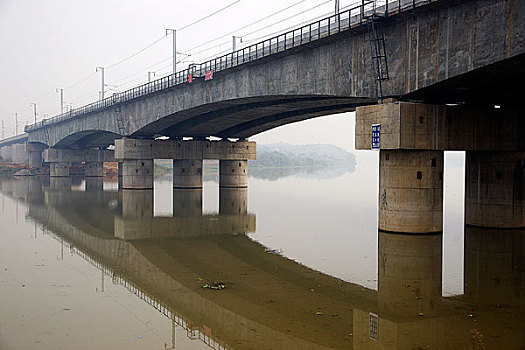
x,y
88,139
245,117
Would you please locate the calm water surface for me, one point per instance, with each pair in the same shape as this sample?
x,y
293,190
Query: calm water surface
x,y
300,257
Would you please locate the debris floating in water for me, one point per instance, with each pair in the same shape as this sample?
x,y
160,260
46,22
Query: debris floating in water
x,y
273,251
215,286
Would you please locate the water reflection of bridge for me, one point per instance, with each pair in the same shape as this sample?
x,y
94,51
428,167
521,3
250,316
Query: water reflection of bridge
x,y
270,301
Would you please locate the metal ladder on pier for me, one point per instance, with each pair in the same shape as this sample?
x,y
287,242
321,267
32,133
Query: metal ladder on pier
x,y
120,121
376,37
46,132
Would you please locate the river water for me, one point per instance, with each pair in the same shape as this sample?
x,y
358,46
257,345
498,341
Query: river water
x,y
294,262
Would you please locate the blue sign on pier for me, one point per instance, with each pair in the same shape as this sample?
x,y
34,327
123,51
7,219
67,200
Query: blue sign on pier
x,y
376,136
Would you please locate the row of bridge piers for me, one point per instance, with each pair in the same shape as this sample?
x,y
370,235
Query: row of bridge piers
x,y
136,161
137,156
412,141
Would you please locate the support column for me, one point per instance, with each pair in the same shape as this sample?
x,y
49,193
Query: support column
x,y
233,201
233,173
137,174
495,189
35,156
94,169
35,160
6,153
20,155
187,155
59,169
411,191
187,173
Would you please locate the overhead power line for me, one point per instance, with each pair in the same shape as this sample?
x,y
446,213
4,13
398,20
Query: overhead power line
x,y
294,15
136,53
124,80
208,16
162,37
247,26
80,81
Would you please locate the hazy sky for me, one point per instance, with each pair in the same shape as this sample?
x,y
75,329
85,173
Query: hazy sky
x,y
58,44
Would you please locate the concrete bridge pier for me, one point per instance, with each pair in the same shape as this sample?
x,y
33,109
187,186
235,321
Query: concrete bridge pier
x,y
94,169
35,155
137,161
137,174
410,164
20,155
411,191
495,189
6,153
61,159
187,173
233,173
59,169
233,201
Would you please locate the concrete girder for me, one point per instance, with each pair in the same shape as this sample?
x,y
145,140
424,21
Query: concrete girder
x,y
418,126
126,149
54,155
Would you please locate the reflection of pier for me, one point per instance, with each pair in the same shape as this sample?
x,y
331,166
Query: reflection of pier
x,y
137,220
411,312
270,301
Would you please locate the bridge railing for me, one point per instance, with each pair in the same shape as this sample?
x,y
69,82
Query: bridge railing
x,y
334,24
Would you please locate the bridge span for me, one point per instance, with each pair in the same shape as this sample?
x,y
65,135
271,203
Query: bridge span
x,y
424,76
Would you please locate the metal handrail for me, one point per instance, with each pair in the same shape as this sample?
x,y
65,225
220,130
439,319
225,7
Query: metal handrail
x,y
325,27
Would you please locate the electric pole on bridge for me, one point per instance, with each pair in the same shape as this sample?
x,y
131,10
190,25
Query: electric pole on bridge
x,y
336,7
16,124
3,129
234,42
34,110
150,74
174,32
61,99
101,70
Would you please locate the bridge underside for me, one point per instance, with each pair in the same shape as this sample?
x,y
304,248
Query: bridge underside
x,y
88,139
496,84
246,117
